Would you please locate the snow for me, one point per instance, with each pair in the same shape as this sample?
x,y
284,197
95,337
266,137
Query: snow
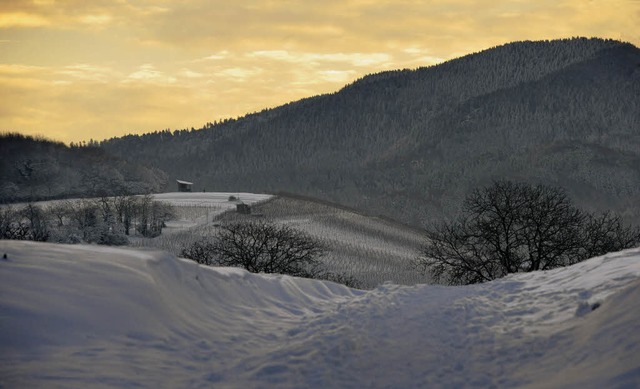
x,y
92,316
212,203
209,198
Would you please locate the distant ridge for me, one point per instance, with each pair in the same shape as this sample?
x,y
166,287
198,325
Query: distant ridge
x,y
409,144
36,168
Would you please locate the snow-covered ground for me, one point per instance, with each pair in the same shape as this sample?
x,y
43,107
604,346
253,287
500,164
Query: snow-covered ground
x,y
201,207
91,316
209,198
206,205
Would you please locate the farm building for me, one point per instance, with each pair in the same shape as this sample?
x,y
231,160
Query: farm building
x,y
184,186
243,208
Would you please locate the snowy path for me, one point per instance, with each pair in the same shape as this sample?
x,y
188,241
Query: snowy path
x,y
78,316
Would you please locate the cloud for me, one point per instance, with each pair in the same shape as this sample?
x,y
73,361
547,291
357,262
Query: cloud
x,y
222,54
87,72
74,14
22,19
148,73
188,73
96,20
239,74
351,59
341,76
12,69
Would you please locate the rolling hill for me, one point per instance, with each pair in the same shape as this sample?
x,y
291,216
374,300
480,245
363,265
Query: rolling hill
x,y
370,250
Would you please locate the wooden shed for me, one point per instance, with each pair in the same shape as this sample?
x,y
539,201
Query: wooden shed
x,y
184,186
243,208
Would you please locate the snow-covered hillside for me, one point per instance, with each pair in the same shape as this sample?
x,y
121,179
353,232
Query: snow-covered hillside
x,y
370,249
220,199
207,204
91,316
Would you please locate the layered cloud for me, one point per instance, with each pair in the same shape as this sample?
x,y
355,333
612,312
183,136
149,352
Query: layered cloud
x,y
75,69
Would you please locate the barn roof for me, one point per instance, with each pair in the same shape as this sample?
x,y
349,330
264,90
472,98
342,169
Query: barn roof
x,y
184,182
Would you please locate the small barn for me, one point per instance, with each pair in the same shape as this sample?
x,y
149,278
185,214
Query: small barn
x,y
243,208
184,186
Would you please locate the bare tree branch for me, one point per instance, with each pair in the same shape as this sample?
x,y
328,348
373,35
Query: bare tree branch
x,y
509,228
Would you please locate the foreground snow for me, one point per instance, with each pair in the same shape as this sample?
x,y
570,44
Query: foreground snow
x,y
78,316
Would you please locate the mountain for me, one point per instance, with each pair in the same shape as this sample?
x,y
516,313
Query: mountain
x,y
409,144
34,169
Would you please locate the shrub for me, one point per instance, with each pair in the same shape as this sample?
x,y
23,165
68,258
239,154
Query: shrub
x,y
113,239
27,223
261,247
508,228
201,251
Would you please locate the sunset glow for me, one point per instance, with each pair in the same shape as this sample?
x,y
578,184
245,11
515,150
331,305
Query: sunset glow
x,y
73,70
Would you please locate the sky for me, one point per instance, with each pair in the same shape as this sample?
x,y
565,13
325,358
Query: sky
x,y
75,70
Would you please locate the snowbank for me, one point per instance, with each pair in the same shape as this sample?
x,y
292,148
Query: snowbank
x,y
78,316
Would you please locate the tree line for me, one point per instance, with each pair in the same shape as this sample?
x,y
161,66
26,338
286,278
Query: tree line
x,y
103,220
35,169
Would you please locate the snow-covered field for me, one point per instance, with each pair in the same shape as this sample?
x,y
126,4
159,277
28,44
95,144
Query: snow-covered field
x,y
91,316
368,249
209,198
198,208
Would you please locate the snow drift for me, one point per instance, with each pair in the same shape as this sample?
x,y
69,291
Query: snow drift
x,y
78,316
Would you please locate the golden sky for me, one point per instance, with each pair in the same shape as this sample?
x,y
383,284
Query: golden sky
x,y
78,69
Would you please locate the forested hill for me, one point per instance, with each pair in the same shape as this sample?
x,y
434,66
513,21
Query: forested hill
x,y
410,144
34,169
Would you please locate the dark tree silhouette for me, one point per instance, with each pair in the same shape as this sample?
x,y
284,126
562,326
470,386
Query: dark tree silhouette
x,y
201,251
261,247
33,169
510,227
37,222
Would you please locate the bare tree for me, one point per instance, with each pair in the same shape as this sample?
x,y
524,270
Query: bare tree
x,y
12,225
606,233
37,221
261,247
32,222
152,215
201,251
509,228
60,211
125,209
